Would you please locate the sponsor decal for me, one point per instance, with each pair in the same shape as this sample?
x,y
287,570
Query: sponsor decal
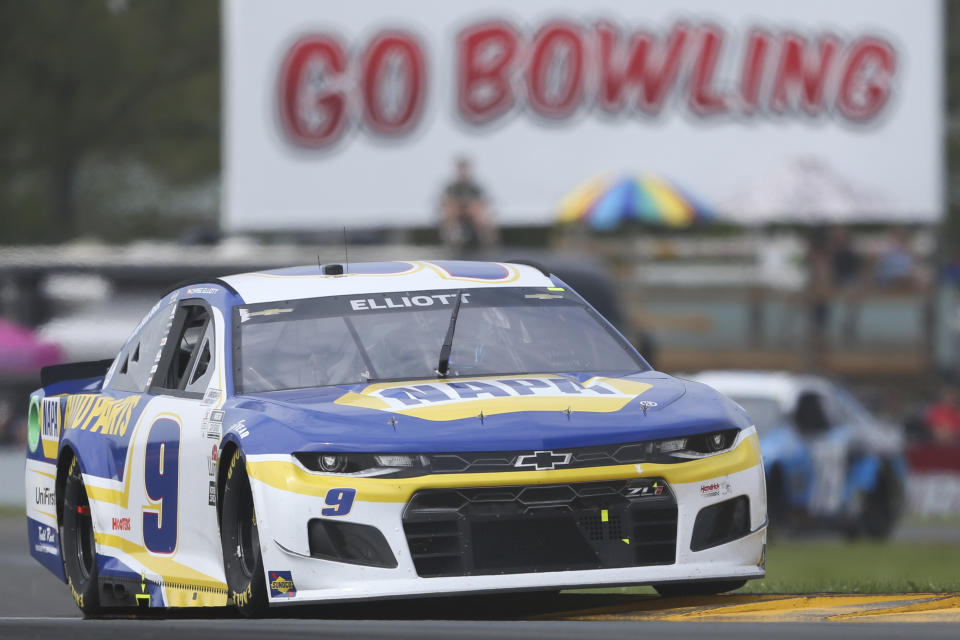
x,y
44,497
543,460
281,585
212,396
100,414
46,540
433,393
50,427
465,398
382,302
246,314
121,524
212,494
712,489
195,291
240,428
543,296
212,425
212,460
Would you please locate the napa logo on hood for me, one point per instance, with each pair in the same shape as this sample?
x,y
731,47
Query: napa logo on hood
x,y
456,399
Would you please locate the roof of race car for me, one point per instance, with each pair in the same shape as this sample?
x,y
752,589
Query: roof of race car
x,y
781,386
295,283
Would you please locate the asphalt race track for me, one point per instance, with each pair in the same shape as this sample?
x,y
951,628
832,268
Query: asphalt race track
x,y
34,604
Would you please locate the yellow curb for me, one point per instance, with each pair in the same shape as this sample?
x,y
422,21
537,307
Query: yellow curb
x,y
797,605
907,607
943,609
651,607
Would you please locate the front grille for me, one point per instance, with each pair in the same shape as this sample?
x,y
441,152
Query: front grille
x,y
580,457
560,527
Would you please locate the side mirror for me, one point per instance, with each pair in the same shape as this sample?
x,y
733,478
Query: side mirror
x,y
809,415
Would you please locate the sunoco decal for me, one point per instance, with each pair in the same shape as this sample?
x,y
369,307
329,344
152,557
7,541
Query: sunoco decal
x,y
281,585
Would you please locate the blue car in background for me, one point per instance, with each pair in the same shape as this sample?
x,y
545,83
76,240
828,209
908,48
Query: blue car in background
x,y
829,463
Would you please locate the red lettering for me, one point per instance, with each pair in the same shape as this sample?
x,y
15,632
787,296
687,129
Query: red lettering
x,y
644,73
555,75
312,102
394,79
754,62
804,73
704,99
485,55
868,79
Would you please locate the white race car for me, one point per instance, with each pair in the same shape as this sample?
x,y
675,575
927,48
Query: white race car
x,y
377,430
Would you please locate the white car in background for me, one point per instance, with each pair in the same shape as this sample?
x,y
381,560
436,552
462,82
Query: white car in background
x,y
828,461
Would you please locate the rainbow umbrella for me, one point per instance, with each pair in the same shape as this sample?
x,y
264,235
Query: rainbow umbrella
x,y
604,203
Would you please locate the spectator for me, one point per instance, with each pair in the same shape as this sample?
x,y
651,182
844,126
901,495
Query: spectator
x,y
819,284
846,270
896,265
466,224
943,418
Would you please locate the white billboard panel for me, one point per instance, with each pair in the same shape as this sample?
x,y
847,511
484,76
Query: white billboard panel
x,y
352,113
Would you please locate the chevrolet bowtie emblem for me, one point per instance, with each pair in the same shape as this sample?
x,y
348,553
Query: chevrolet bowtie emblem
x,y
544,460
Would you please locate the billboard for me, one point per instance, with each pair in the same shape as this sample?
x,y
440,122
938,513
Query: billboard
x,y
353,113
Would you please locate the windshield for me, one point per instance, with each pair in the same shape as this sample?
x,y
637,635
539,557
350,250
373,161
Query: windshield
x,y
764,412
389,336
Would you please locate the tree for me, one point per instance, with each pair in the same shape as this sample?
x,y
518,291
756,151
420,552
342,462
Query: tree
x,y
124,78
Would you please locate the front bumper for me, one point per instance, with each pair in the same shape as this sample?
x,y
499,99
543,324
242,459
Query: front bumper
x,y
287,497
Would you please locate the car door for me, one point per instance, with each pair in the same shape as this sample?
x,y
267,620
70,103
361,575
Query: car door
x,y
177,504
827,443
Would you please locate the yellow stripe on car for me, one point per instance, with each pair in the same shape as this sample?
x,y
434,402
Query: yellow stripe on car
x,y
287,475
169,569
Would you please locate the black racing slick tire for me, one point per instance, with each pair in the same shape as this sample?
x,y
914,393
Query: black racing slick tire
x,y
77,543
242,562
678,589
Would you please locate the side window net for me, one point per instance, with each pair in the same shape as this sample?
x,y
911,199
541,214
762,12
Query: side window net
x,y
202,370
185,365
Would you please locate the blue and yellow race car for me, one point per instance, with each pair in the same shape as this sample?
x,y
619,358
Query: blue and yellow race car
x,y
830,464
395,429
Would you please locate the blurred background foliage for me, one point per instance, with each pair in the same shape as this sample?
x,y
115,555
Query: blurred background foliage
x,y
109,117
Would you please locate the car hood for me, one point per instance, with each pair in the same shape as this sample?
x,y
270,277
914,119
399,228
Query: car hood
x,y
481,414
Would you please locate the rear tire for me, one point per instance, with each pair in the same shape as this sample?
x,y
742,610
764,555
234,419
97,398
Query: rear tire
x,y
881,508
779,510
78,547
242,562
678,589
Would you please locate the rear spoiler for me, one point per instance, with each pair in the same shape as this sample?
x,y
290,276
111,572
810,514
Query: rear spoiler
x,y
74,371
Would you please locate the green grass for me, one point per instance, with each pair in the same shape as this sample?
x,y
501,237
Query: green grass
x,y
12,511
831,566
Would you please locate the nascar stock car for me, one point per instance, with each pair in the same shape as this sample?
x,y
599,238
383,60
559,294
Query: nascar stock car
x,y
394,429
830,464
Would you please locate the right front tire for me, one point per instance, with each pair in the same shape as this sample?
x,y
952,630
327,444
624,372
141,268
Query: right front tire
x,y
77,543
242,562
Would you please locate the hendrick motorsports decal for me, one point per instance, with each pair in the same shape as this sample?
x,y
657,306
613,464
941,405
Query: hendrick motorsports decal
x,y
457,399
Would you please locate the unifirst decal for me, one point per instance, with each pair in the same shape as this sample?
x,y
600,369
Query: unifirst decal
x,y
100,414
